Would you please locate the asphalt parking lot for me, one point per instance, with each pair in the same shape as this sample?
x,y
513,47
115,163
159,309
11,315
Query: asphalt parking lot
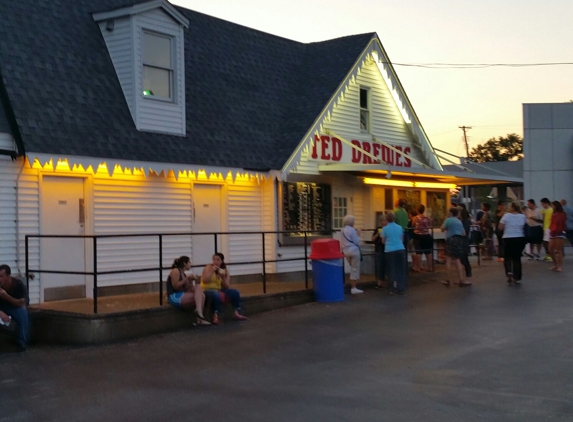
x,y
489,352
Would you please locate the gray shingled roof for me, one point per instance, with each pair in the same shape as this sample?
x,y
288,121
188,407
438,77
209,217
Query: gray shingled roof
x,y
510,168
250,96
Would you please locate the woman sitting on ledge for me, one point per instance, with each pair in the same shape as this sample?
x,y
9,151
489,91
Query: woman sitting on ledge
x,y
182,292
215,281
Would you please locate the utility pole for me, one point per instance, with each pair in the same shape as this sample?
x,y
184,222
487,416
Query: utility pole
x,y
464,128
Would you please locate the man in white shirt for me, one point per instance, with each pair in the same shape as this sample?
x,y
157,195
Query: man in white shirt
x,y
535,222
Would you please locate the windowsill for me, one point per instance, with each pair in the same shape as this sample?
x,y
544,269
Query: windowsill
x,y
161,99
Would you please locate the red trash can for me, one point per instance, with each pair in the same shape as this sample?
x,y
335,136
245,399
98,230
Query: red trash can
x,y
327,267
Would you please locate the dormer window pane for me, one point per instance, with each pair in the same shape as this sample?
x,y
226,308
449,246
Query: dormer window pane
x,y
365,109
157,65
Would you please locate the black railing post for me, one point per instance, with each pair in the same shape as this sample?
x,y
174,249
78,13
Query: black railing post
x,y
216,246
264,265
305,262
160,270
27,265
95,273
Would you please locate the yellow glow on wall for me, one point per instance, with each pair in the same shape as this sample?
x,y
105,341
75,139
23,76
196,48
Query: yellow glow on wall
x,y
386,182
184,176
430,185
407,184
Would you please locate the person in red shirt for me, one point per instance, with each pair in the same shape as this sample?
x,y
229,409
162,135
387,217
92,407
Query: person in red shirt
x,y
557,235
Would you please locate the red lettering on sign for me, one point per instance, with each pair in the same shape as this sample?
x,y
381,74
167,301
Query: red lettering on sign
x,y
325,140
316,140
366,147
408,162
398,156
387,155
376,151
336,149
356,155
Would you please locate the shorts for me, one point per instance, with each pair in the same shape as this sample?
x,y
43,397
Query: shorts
x,y
354,262
174,299
424,244
535,235
546,236
456,247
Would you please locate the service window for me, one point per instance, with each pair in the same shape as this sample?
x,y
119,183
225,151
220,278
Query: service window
x,y
412,198
436,207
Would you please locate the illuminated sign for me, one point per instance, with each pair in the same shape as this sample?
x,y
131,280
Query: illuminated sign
x,y
331,149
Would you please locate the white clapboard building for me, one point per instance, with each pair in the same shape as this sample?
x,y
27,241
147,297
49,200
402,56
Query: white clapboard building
x,y
150,118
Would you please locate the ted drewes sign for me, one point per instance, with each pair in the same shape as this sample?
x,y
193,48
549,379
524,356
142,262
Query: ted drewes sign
x,y
331,149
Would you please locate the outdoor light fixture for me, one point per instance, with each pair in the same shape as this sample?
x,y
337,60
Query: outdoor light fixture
x,y
406,184
382,182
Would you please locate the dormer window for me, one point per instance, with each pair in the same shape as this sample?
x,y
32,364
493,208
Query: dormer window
x,y
364,109
158,65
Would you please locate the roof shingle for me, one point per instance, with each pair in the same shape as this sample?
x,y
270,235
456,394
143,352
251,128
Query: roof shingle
x,y
250,96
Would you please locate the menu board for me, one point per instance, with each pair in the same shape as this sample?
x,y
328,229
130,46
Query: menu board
x,y
306,206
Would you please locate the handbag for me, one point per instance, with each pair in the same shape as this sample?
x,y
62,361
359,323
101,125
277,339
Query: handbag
x,y
358,246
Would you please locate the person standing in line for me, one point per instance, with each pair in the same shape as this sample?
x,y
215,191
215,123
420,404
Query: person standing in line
x,y
499,232
569,223
13,300
512,225
535,221
546,212
411,246
464,217
423,240
379,258
393,238
486,224
557,235
401,217
455,245
350,242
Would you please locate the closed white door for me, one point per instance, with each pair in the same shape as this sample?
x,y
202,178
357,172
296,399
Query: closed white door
x,y
62,214
207,218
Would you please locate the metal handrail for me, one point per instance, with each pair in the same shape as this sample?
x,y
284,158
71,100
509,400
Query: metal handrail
x,y
160,236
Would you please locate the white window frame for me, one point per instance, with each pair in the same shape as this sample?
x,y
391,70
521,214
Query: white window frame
x,y
339,211
366,110
171,69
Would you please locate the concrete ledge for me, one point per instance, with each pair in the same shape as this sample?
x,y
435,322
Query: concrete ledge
x,y
66,328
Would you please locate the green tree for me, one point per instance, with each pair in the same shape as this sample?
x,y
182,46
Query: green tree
x,y
507,148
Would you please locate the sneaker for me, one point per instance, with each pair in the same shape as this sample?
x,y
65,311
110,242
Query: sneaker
x,y
356,291
499,259
548,258
537,257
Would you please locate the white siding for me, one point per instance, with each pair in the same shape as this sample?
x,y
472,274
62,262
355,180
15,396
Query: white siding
x,y
245,209
120,46
387,123
18,221
287,252
157,115
270,215
7,142
133,204
358,206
